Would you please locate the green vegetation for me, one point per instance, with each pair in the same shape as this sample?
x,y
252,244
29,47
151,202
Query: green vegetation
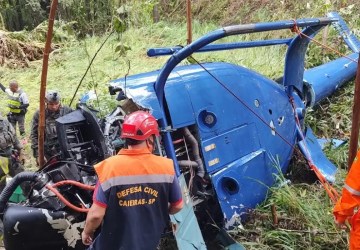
x,y
303,219
304,210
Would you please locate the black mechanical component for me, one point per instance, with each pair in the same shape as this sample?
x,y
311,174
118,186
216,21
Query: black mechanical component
x,y
46,220
49,219
30,228
81,137
12,185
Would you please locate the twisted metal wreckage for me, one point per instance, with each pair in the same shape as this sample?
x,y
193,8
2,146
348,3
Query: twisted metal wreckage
x,y
222,124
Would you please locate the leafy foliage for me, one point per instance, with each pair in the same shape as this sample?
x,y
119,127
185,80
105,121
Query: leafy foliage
x,y
21,14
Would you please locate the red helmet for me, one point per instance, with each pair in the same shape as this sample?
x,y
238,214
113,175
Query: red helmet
x,y
139,126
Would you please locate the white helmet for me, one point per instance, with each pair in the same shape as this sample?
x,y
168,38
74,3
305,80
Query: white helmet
x,y
52,96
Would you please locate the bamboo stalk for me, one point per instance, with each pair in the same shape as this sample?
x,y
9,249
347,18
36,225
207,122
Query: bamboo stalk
x,y
355,119
274,215
43,83
188,19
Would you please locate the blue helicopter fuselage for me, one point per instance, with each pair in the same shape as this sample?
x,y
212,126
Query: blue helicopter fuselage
x,y
244,126
231,135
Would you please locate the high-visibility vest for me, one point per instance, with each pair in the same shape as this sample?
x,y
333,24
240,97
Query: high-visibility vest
x,y
352,182
350,198
4,167
138,186
14,102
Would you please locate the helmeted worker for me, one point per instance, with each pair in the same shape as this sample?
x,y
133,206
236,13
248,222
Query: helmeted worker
x,y
135,193
9,164
349,201
18,103
54,109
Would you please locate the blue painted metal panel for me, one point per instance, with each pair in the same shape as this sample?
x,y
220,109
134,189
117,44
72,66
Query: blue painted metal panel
x,y
311,149
237,133
253,106
187,231
242,185
141,89
229,146
294,60
218,47
235,246
178,99
332,143
325,79
344,31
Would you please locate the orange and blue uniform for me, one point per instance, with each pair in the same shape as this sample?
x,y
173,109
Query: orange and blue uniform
x,y
136,188
349,201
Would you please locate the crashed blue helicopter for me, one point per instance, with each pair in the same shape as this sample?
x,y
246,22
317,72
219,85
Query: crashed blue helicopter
x,y
222,124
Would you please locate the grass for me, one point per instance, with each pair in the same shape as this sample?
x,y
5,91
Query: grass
x,y
304,219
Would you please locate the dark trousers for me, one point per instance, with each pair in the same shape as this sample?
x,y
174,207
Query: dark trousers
x,y
17,119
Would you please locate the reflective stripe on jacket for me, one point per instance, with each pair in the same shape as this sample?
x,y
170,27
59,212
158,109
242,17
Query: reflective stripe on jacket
x,y
350,198
137,185
14,102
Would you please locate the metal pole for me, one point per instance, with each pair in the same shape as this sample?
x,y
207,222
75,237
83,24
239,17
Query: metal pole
x,y
355,119
43,83
188,19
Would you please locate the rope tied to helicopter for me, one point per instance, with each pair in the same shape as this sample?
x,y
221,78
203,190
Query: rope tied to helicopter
x,y
332,193
330,190
334,196
297,30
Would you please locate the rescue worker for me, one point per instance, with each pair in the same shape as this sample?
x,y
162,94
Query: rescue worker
x,y
18,103
53,110
349,201
9,162
135,193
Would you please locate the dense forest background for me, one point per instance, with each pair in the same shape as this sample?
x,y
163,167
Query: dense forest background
x,y
95,16
128,28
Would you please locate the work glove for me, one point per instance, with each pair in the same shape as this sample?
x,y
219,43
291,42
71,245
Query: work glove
x,y
341,224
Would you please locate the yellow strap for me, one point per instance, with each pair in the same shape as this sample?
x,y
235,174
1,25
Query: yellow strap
x,y
14,103
4,165
12,110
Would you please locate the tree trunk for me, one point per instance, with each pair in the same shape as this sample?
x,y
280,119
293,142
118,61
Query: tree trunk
x,y
19,14
156,16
